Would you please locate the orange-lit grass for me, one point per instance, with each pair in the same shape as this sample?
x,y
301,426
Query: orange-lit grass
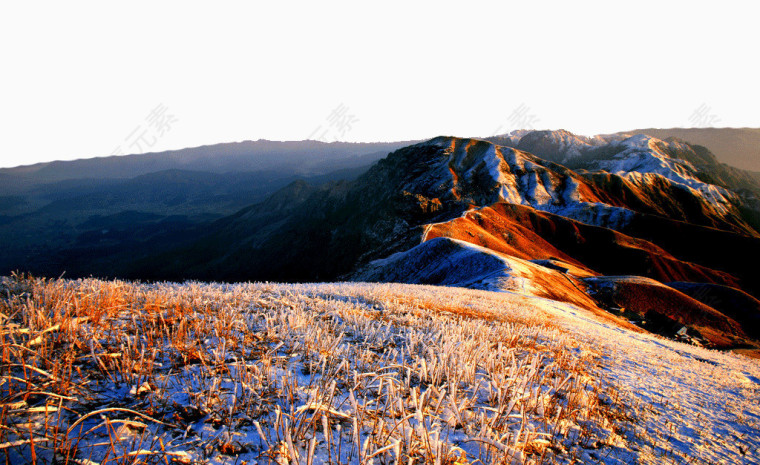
x,y
114,333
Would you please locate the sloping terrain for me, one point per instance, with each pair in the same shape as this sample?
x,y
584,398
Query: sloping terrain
x,y
347,373
388,209
577,258
665,310
730,301
739,147
80,216
526,233
650,216
638,153
450,262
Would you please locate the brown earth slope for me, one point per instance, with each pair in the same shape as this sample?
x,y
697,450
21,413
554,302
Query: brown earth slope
x,y
526,233
665,309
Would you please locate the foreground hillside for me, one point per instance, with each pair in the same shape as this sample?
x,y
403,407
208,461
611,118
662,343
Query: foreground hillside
x,y
98,371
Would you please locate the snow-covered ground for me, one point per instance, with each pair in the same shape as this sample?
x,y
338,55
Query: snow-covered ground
x,y
692,405
99,371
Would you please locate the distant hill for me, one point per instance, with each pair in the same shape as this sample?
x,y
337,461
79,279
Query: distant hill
x,y
57,214
739,147
299,158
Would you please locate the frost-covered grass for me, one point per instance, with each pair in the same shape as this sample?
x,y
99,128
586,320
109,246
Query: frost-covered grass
x,y
99,371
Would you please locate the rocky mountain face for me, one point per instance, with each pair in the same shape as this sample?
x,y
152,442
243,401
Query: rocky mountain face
x,y
636,154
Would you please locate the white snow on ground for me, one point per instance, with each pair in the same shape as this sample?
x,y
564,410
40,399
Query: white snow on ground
x,y
357,373
692,405
445,261
571,145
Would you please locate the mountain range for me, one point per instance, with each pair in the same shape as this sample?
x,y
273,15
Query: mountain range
x,y
54,216
739,147
654,232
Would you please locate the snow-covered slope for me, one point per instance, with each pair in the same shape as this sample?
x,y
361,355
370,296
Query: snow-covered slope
x,y
638,158
444,261
354,373
498,229
692,395
482,173
523,232
448,262
451,262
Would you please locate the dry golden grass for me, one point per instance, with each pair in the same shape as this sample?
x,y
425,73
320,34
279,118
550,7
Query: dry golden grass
x,y
136,373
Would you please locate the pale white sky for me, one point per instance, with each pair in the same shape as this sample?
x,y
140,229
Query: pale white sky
x,y
79,79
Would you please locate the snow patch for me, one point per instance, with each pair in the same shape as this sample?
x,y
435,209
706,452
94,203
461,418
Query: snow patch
x,y
451,262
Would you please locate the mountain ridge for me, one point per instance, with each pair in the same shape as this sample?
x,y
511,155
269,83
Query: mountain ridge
x,y
299,156
738,147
